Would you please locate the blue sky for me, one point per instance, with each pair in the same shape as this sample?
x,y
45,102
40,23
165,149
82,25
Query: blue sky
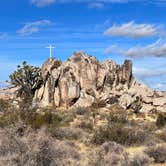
x,y
107,29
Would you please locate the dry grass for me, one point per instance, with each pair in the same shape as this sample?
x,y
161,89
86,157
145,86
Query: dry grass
x,y
80,137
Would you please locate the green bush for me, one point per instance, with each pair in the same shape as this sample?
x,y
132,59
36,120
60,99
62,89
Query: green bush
x,y
31,118
37,120
119,134
118,116
161,120
117,131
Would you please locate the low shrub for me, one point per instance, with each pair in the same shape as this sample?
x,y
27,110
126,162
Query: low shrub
x,y
4,105
9,118
161,120
37,120
162,135
157,152
31,118
36,149
140,159
66,133
113,154
118,116
86,125
119,134
81,110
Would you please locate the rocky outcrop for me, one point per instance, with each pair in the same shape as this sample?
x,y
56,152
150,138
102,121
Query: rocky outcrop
x,y
8,93
82,81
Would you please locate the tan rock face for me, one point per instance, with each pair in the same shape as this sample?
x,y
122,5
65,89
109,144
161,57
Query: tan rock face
x,y
8,93
82,80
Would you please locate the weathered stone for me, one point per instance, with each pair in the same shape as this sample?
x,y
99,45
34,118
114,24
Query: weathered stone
x,y
161,108
159,101
147,108
57,97
48,66
125,73
82,80
126,100
8,93
46,101
85,100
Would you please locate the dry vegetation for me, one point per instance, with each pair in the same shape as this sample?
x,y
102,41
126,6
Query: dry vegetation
x,y
80,137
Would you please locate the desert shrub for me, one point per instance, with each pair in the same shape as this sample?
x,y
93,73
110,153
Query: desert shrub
x,y
118,116
113,154
162,135
37,120
44,156
157,152
66,133
36,149
4,105
9,118
119,134
10,144
86,125
81,110
31,118
120,129
68,117
161,120
140,159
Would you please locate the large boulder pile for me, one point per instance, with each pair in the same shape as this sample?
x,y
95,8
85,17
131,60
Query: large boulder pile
x,y
84,81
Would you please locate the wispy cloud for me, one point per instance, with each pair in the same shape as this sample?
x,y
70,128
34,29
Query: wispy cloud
x,y
33,27
133,30
42,3
157,49
154,78
110,49
145,72
96,5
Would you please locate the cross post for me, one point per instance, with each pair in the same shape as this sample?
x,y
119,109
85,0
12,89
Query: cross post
x,y
50,47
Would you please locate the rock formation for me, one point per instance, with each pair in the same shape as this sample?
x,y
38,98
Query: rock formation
x,y
8,93
83,81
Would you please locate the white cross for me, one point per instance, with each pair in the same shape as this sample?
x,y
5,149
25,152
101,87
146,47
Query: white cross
x,y
50,47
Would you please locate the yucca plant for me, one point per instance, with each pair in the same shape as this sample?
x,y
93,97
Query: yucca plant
x,y
27,78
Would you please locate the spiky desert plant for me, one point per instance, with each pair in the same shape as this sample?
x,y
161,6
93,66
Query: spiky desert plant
x,y
27,78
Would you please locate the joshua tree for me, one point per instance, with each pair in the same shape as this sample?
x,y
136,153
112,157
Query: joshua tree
x,y
27,79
